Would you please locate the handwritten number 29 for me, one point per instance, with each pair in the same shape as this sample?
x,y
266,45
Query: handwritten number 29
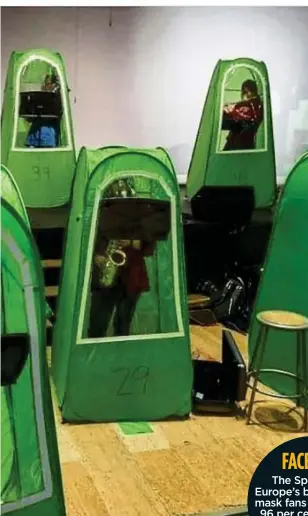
x,y
133,381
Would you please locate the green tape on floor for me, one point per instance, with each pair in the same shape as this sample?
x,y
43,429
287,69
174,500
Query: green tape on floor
x,y
135,428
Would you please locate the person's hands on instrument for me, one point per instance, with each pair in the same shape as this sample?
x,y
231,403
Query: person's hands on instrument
x,y
229,108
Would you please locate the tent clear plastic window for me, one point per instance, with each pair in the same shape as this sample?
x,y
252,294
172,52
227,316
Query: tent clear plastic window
x,y
131,287
242,126
41,123
21,466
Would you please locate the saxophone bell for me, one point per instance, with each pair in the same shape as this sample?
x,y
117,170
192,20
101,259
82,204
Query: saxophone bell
x,y
110,263
118,258
115,257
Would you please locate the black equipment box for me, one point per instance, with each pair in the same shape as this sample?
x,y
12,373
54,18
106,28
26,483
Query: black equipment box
x,y
220,385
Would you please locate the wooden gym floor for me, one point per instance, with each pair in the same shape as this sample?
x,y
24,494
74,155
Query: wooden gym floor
x,y
190,467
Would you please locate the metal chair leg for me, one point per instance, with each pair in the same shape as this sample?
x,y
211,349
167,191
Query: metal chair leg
x,y
299,383
305,379
260,343
255,351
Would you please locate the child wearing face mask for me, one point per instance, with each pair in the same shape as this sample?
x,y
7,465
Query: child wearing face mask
x,y
243,118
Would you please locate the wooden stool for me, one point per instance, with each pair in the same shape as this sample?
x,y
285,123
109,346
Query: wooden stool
x,y
197,300
286,321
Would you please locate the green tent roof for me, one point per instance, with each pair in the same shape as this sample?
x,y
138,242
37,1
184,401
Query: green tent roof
x,y
11,193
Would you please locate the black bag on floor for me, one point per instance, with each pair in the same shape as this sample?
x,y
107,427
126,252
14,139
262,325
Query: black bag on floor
x,y
230,302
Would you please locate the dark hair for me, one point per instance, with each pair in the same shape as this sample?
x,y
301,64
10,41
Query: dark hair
x,y
251,86
53,78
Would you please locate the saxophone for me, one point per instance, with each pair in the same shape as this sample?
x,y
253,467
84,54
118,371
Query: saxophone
x,y
115,257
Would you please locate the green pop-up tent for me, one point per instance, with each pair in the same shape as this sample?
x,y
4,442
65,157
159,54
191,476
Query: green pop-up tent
x,y
43,174
234,144
30,472
117,355
284,282
11,193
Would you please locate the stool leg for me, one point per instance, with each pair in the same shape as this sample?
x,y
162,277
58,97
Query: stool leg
x,y
261,341
299,382
255,351
305,379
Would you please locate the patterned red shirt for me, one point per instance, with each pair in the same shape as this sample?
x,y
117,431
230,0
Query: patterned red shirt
x,y
243,120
